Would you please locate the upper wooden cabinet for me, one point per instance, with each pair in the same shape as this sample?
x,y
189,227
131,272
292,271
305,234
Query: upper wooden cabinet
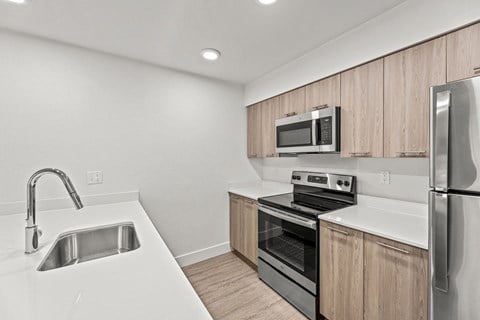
x,y
323,92
362,111
341,272
408,77
270,112
463,53
292,103
254,131
396,280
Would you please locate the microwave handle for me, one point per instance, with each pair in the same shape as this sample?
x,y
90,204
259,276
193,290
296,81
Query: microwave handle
x,y
314,132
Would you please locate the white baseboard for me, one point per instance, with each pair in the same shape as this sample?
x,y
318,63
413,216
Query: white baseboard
x,y
63,203
203,254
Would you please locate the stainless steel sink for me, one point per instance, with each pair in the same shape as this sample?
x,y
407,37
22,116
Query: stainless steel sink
x,y
89,244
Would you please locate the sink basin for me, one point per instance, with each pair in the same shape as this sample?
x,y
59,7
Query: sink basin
x,y
89,244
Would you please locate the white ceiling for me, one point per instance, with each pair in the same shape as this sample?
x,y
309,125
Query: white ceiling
x,y
253,39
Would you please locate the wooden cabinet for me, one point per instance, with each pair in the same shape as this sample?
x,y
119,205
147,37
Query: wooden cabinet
x,y
250,227
292,103
463,53
408,77
254,131
362,111
270,112
395,280
244,227
341,272
236,225
323,92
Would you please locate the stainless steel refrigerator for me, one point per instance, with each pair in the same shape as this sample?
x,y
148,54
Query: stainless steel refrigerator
x,y
454,204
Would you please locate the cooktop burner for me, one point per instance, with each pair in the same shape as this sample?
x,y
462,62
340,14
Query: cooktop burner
x,y
315,194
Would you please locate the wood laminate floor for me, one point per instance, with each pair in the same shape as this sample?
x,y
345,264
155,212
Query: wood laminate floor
x,y
230,289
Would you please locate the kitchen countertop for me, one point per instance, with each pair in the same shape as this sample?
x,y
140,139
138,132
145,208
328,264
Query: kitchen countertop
x,y
259,189
402,221
146,283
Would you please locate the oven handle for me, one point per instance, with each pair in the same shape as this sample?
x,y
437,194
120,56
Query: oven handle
x,y
289,217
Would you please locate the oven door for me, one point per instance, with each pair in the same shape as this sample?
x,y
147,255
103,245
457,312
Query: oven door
x,y
289,244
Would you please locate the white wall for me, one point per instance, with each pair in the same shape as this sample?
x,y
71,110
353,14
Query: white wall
x,y
410,22
178,138
408,177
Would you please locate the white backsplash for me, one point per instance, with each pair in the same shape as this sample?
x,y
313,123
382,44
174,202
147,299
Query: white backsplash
x,y
408,177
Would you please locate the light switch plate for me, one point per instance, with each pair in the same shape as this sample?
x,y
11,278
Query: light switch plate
x,y
94,177
385,177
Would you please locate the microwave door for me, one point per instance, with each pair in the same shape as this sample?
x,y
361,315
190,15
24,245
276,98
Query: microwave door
x,y
455,136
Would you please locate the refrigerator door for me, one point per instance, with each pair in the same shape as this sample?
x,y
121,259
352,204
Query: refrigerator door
x,y
455,136
454,257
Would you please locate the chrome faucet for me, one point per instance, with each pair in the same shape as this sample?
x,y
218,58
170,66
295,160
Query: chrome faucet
x,y
31,230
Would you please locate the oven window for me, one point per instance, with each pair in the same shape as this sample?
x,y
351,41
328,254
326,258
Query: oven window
x,y
290,243
295,134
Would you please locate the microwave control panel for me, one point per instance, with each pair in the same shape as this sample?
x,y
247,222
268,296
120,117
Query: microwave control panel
x,y
325,131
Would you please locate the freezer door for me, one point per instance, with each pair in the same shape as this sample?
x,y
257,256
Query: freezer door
x,y
454,257
455,136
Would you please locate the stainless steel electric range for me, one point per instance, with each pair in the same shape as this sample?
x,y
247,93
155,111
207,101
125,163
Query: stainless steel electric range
x,y
288,240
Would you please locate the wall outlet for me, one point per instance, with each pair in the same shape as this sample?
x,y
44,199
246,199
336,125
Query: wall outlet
x,y
94,177
385,177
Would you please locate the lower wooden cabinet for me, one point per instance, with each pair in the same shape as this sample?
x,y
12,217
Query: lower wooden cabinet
x,y
368,277
396,280
341,272
244,227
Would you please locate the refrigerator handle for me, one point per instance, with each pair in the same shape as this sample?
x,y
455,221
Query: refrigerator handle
x,y
440,110
439,218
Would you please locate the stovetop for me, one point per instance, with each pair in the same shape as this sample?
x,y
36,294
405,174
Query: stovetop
x,y
315,193
303,204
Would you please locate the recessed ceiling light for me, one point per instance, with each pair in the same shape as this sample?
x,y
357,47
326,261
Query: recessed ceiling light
x,y
17,1
210,54
267,2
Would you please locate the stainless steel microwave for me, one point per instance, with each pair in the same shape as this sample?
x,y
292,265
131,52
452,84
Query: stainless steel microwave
x,y
312,132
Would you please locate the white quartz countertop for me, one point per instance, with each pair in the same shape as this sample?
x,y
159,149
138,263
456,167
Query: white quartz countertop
x,y
146,283
402,221
259,189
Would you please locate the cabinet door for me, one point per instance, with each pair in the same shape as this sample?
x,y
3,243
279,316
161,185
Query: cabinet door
x,y
463,53
236,223
395,280
362,111
409,74
270,112
292,103
341,272
250,227
254,131
323,92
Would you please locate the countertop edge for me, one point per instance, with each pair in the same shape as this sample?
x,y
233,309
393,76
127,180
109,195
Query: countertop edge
x,y
375,233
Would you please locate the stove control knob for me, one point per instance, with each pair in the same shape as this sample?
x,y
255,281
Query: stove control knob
x,y
346,184
340,182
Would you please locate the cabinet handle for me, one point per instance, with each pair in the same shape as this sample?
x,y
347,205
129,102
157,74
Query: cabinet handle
x,y
323,106
476,70
360,154
411,153
290,114
391,247
271,155
338,231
